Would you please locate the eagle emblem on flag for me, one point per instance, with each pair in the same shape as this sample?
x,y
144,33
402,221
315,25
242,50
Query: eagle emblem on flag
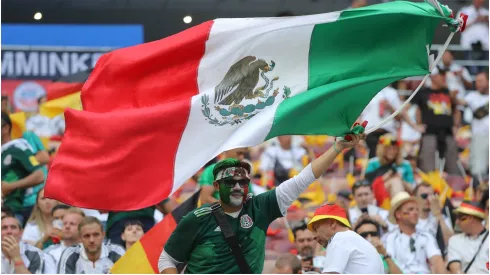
x,y
240,84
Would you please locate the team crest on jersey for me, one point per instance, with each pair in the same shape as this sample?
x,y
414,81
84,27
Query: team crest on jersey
x,y
246,221
7,160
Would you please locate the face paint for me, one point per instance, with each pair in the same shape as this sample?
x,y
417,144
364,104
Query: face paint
x,y
226,194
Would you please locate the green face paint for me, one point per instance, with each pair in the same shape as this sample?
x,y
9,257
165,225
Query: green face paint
x,y
224,193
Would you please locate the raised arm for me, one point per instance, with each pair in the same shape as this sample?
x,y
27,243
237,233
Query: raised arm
x,y
290,190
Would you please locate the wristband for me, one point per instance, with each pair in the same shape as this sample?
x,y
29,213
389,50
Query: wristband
x,y
18,263
386,257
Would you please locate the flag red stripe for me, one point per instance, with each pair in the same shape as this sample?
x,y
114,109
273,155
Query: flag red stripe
x,y
147,74
115,129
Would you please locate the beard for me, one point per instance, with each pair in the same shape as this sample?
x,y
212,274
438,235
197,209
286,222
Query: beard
x,y
236,201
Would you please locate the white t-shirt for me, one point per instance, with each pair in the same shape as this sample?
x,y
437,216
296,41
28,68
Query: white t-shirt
x,y
410,261
476,31
476,100
349,253
32,233
374,113
430,224
289,159
407,132
40,125
462,248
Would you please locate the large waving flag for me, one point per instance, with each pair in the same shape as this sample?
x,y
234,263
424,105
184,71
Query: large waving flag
x,y
142,257
55,107
155,113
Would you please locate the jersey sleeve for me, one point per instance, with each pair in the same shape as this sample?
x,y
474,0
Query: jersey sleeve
x,y
337,257
26,159
267,205
181,243
453,253
207,177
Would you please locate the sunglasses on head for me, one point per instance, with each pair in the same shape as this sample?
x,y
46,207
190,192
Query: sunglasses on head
x,y
412,245
230,183
369,233
361,183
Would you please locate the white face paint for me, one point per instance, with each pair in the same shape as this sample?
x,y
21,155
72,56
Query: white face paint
x,y
234,199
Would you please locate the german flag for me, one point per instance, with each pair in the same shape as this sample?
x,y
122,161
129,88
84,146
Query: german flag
x,y
142,257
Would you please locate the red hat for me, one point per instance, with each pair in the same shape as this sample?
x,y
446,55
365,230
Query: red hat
x,y
329,211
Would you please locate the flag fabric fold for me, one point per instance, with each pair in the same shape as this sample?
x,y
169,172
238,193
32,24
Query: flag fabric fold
x,y
155,113
142,257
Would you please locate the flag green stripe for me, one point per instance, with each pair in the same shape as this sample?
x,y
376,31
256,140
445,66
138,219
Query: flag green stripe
x,y
351,60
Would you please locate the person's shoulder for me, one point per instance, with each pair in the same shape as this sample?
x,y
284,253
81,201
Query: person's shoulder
x,y
425,234
405,163
373,161
29,247
457,238
115,248
199,213
52,248
72,250
18,144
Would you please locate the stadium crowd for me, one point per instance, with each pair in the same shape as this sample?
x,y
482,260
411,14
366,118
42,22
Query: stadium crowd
x,y
416,189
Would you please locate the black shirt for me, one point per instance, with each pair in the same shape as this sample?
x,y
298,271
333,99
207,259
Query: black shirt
x,y
436,108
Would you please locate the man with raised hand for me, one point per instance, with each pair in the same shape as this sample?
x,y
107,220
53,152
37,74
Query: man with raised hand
x,y
199,239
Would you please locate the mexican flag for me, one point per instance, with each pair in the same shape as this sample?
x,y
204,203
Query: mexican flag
x,y
155,113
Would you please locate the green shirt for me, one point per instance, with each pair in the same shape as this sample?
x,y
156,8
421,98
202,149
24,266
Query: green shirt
x,y
18,162
36,146
199,241
207,178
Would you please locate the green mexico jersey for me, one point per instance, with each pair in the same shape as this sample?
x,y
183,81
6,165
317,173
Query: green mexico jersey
x,y
18,162
207,178
198,240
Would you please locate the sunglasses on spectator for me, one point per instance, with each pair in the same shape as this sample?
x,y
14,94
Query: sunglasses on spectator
x,y
412,245
369,233
230,183
424,195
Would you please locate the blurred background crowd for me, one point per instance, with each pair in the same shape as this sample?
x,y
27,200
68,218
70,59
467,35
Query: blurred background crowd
x,y
436,151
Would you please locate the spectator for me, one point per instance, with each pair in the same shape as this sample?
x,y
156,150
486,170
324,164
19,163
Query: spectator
x,y
20,169
92,256
70,237
478,103
410,137
344,199
19,257
116,221
306,245
389,153
413,250
484,204
6,212
475,36
468,251
280,160
430,214
347,252
380,107
436,111
59,211
38,123
133,232
39,230
370,231
42,156
287,264
364,197
5,104
208,193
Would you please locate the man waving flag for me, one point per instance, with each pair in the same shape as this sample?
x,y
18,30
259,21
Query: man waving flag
x,y
155,113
